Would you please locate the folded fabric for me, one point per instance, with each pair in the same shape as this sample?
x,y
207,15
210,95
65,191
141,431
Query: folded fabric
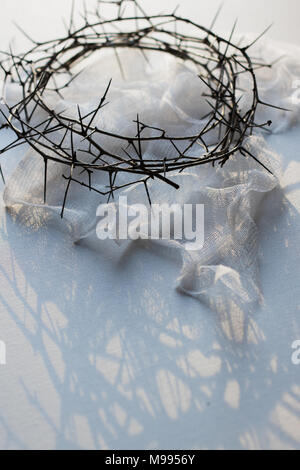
x,y
168,94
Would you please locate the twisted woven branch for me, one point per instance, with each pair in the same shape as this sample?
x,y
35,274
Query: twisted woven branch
x,y
219,62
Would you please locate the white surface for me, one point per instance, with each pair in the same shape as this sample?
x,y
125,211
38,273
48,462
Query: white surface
x,y
40,18
99,355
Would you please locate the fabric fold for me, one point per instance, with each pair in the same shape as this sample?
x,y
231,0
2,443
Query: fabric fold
x,y
226,268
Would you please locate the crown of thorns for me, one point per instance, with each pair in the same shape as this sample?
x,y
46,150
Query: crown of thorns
x,y
220,63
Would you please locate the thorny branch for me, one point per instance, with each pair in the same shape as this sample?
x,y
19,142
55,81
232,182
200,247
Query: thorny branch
x,y
219,62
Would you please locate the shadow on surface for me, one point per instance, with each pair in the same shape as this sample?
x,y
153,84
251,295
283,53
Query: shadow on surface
x,y
127,362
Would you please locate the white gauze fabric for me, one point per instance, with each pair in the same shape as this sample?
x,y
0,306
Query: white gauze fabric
x,y
168,94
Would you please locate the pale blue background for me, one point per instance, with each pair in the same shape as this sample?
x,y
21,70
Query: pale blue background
x,y
102,352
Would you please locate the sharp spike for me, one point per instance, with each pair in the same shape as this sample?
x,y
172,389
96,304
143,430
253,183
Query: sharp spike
x,y
259,37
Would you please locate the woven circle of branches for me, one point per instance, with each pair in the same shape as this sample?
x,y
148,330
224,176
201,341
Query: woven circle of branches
x,y
49,67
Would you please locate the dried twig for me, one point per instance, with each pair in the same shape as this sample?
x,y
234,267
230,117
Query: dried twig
x,y
220,63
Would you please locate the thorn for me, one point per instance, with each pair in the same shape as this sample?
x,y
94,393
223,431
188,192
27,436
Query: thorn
x,y
216,16
175,9
65,198
72,17
259,37
256,159
81,123
100,104
25,34
2,175
147,192
275,107
45,179
119,63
